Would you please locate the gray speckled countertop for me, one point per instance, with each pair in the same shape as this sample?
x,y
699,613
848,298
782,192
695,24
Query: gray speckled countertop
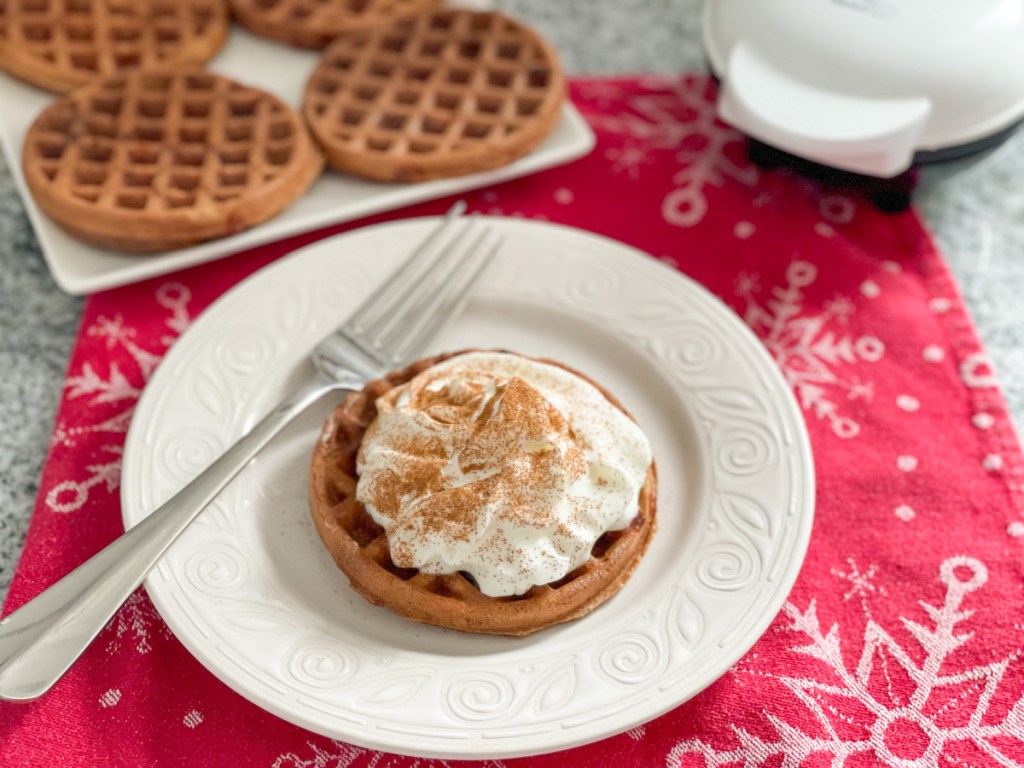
x,y
977,215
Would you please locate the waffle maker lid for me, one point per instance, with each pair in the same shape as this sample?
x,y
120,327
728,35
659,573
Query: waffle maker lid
x,y
868,85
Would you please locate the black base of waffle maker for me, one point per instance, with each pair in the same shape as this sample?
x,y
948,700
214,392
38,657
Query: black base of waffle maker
x,y
889,195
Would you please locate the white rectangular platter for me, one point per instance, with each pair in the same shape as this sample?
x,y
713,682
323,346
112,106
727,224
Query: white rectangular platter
x,y
79,268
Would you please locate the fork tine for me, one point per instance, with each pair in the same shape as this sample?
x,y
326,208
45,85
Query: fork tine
x,y
446,305
435,288
392,293
380,333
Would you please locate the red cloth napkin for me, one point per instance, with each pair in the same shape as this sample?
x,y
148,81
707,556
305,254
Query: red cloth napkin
x,y
900,644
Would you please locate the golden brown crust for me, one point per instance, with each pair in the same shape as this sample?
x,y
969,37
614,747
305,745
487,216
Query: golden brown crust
x,y
149,161
438,95
360,548
60,45
308,24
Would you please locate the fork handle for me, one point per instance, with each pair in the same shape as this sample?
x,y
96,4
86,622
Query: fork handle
x,y
40,640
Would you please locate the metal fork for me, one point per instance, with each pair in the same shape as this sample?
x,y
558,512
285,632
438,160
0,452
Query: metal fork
x,y
43,638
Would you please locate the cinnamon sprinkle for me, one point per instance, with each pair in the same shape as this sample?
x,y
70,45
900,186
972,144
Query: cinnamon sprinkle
x,y
509,435
461,456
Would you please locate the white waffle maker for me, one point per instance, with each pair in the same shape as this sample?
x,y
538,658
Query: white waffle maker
x,y
869,86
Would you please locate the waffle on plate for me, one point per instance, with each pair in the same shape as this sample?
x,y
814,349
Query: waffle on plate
x,y
315,23
150,161
442,94
360,547
62,44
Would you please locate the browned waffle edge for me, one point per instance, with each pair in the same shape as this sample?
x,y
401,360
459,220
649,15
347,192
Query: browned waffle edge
x,y
417,168
501,616
58,79
301,36
130,232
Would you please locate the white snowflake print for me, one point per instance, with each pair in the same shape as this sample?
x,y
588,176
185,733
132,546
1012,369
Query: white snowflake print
x,y
862,584
976,371
342,755
807,348
174,297
116,333
110,390
604,93
71,495
933,723
680,115
135,625
115,388
627,159
905,513
837,209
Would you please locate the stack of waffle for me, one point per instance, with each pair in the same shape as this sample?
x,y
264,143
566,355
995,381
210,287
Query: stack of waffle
x,y
146,151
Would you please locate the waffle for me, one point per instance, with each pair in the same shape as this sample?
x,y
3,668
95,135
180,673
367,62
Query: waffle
x,y
315,23
150,161
359,545
442,94
62,44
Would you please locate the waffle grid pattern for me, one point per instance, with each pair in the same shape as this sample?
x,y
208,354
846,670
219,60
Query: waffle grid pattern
x,y
315,23
60,44
148,145
360,546
193,140
440,90
352,517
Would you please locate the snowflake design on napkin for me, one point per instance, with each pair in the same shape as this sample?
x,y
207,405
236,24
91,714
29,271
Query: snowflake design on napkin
x,y
677,115
904,713
807,348
120,388
135,625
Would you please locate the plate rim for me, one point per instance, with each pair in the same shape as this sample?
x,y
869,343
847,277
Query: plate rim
x,y
801,444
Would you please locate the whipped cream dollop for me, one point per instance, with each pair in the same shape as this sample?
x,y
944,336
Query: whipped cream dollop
x,y
503,467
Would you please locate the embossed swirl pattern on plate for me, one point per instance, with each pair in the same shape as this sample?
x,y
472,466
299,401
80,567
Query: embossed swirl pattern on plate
x,y
692,349
319,664
247,351
727,567
478,696
747,450
631,658
595,287
189,451
217,569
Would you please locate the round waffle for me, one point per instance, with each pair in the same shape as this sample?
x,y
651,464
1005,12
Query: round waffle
x,y
442,94
360,547
62,44
315,23
149,161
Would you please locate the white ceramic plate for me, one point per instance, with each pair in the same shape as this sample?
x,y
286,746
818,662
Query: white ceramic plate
x,y
79,268
252,592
